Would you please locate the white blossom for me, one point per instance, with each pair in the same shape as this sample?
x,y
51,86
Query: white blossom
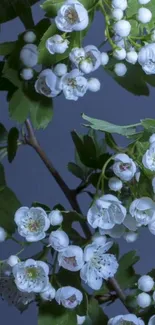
x,y
143,2
69,297
119,54
130,236
87,59
127,319
31,276
122,28
104,58
98,265
117,14
124,167
143,300
60,69
32,223
13,260
115,184
93,55
143,210
120,69
148,159
76,55
146,58
106,212
119,41
151,320
119,4
57,44
145,283
94,84
49,293
80,319
144,15
29,37
3,234
29,55
48,84
130,223
98,239
74,85
59,240
71,258
27,74
55,217
72,16
116,232
132,57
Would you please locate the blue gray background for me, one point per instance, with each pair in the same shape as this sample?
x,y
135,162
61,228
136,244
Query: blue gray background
x,y
30,180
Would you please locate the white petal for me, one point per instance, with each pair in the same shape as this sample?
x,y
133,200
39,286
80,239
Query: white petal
x,y
152,320
44,266
130,222
20,214
89,276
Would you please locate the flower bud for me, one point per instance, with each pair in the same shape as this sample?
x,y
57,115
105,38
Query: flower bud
x,y
29,55
60,69
130,236
120,69
56,217
56,44
94,84
80,319
104,58
13,260
143,300
85,66
99,239
27,74
120,54
115,184
120,4
29,37
71,258
69,297
143,2
48,294
132,57
122,28
117,14
3,234
59,240
152,138
145,283
144,15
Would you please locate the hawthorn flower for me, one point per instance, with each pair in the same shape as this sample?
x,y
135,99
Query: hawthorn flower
x,y
32,223
122,28
71,258
74,85
119,54
55,217
145,283
106,212
146,58
29,37
144,15
148,159
80,319
98,265
117,14
13,260
143,300
130,236
124,167
47,84
94,84
48,294
132,57
120,69
59,240
151,320
87,59
143,210
119,4
93,55
31,276
29,55
9,290
104,58
3,234
60,69
72,16
116,232
76,55
115,184
126,319
69,297
56,44
27,74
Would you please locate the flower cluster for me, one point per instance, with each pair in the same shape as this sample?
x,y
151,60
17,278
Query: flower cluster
x,y
145,285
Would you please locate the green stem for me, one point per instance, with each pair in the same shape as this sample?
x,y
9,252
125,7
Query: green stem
x,y
113,45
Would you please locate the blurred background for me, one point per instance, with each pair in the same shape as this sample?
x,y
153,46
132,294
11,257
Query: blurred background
x,y
31,181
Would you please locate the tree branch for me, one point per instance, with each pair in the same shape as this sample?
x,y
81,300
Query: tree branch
x,y
32,141
112,282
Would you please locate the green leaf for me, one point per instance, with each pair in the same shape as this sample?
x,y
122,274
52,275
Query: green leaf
x,y
12,143
109,127
149,124
41,112
111,142
96,313
11,75
19,106
53,314
75,170
8,205
51,7
3,134
125,275
7,47
41,205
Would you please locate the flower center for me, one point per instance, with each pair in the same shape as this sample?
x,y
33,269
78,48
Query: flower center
x,y
31,272
72,83
71,15
125,322
71,260
72,299
34,225
125,166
